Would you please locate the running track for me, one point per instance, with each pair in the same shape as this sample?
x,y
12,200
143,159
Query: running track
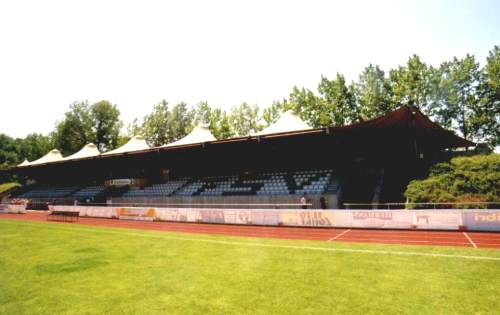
x,y
404,237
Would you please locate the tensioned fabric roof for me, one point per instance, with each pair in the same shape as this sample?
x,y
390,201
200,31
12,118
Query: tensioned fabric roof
x,y
405,118
88,150
288,122
136,143
408,118
24,163
53,156
200,134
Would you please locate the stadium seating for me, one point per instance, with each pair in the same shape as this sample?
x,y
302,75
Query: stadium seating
x,y
89,192
156,190
49,192
313,182
190,189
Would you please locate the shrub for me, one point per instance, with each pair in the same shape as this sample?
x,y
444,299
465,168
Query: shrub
x,y
464,179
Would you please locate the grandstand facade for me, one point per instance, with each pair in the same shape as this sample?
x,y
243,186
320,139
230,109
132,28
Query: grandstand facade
x,y
372,161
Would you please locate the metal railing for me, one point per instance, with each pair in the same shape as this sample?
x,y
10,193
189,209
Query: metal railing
x,y
201,205
424,205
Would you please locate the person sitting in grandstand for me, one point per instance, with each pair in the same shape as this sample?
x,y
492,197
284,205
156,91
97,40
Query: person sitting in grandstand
x,y
322,202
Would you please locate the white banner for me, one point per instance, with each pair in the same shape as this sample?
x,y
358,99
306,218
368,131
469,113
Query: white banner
x,y
382,219
12,208
437,219
96,212
482,220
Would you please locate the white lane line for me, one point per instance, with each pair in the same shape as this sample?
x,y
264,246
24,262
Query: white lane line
x,y
339,235
470,240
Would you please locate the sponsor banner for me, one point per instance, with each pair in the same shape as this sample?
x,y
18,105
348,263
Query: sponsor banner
x,y
121,182
437,219
140,214
4,208
316,218
17,208
264,217
393,219
97,212
311,218
175,215
343,219
239,217
482,220
212,216
12,208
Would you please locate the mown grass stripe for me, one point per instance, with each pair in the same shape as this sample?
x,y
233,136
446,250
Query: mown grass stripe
x,y
165,236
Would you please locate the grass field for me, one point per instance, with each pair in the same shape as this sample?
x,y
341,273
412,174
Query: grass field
x,y
51,268
8,186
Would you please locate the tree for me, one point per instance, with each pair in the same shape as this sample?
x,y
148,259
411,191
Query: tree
x,y
411,84
245,119
156,125
202,113
464,179
215,118
225,130
106,125
180,121
308,106
461,79
220,125
272,113
75,130
373,93
135,128
487,118
34,146
339,106
9,152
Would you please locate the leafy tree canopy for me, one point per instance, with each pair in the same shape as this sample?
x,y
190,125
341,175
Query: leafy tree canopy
x,y
464,179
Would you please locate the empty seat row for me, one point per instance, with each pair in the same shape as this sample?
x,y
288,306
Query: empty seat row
x,y
48,192
89,191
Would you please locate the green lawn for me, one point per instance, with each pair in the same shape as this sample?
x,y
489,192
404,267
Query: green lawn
x,y
53,268
8,186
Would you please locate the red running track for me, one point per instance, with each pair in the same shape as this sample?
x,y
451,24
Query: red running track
x,y
403,237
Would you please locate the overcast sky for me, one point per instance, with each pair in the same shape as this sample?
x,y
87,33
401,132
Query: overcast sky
x,y
135,53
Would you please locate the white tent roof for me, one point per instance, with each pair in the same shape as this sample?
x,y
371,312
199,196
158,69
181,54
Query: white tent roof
x,y
136,143
53,156
87,151
24,163
288,122
199,134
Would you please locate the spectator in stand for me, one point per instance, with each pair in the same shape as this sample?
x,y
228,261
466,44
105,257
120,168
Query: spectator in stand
x,y
303,201
322,202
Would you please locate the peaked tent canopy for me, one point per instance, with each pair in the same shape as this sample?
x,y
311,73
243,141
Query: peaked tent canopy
x,y
200,134
53,156
88,150
288,122
24,163
136,143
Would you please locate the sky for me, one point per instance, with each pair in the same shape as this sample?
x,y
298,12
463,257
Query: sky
x,y
136,53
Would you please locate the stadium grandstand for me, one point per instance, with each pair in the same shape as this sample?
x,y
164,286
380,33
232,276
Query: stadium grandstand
x,y
366,162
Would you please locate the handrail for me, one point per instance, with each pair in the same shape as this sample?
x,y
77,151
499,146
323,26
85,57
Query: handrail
x,y
190,204
407,205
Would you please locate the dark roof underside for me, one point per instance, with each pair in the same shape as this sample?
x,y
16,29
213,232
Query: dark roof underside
x,y
405,124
